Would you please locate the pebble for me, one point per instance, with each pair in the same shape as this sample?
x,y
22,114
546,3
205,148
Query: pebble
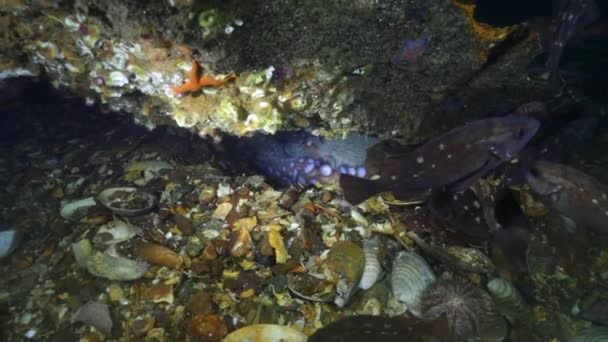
x,y
116,293
206,328
222,211
158,255
183,224
201,303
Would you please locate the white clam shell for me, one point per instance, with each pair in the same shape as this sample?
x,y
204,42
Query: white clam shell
x,y
372,269
411,276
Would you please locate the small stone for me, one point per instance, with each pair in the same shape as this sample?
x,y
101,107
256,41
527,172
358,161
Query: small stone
x,y
142,324
222,211
158,255
159,293
58,193
183,224
289,197
206,195
264,246
247,222
201,303
194,246
326,197
247,293
276,241
224,190
116,293
206,328
97,315
210,253
241,243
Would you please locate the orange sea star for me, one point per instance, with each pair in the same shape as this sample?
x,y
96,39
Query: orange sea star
x,y
194,83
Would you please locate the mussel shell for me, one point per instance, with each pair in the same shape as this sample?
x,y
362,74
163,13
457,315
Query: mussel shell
x,y
106,197
410,277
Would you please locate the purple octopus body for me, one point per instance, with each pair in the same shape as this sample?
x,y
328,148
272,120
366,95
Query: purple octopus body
x,y
298,157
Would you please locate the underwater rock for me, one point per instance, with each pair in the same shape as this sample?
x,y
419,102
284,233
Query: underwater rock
x,y
97,315
301,74
410,278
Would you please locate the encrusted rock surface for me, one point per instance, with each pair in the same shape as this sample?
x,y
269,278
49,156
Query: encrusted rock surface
x,y
334,65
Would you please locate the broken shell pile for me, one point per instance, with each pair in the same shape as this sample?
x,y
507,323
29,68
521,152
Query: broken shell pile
x,y
156,244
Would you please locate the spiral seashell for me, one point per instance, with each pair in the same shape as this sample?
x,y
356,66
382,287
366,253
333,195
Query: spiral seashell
x,y
411,276
510,302
372,269
595,333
